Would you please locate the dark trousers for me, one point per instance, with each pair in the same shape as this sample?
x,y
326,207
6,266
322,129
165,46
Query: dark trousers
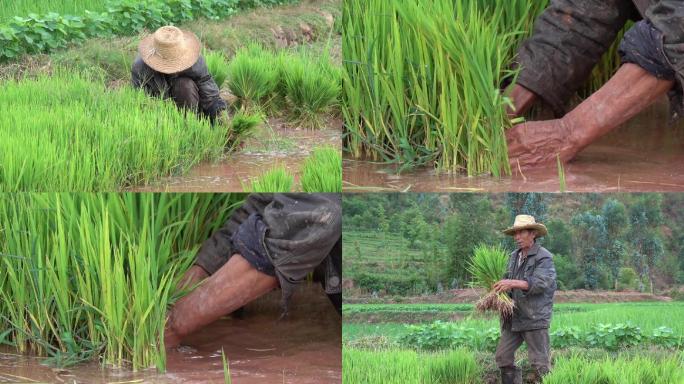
x,y
185,93
538,349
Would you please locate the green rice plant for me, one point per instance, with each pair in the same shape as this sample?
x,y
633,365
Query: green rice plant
x,y
22,8
218,66
620,370
88,276
487,266
241,127
322,171
226,368
253,76
458,366
277,179
70,133
311,87
561,173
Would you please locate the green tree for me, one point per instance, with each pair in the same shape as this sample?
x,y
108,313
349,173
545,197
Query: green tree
x,y
645,217
615,215
590,238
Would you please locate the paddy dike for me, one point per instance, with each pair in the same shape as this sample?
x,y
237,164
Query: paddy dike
x,y
644,155
303,348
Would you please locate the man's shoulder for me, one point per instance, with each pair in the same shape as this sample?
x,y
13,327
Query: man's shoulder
x,y
543,253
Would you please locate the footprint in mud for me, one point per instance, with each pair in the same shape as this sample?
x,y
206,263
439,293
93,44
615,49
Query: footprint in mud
x,y
186,350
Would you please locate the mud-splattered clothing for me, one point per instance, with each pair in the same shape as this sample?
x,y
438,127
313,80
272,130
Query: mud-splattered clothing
x,y
570,37
285,235
204,98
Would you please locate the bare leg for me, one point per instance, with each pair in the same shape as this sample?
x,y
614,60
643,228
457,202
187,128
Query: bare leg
x,y
232,286
627,93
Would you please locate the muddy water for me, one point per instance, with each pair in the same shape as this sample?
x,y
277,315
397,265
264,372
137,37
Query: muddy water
x,y
644,155
275,144
304,348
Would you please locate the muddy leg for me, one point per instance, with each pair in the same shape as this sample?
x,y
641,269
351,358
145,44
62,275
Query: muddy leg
x,y
232,286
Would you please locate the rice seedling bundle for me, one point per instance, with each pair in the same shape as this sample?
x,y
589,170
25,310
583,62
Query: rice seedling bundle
x,y
70,133
218,66
253,75
421,80
241,126
311,87
91,275
487,266
322,171
277,179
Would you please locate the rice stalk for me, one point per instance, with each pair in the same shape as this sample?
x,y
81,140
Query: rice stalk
x,y
277,179
218,66
486,267
322,171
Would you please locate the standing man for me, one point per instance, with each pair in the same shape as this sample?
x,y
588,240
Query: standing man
x,y
531,281
169,65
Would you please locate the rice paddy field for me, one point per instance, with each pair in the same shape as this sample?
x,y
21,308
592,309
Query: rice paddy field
x,y
22,8
74,124
423,109
605,342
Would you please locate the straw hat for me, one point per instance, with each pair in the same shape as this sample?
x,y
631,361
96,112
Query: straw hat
x,y
526,222
170,50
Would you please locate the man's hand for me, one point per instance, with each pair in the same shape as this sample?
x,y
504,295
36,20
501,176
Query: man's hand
x,y
540,142
507,285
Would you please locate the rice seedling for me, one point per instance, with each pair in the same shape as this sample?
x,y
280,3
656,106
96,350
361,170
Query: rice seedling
x,y
277,179
88,276
322,171
401,366
22,8
487,266
218,66
620,370
311,87
561,173
226,368
69,133
253,76
241,127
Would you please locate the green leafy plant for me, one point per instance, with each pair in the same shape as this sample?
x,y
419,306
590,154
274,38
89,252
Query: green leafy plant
x,y
487,266
322,171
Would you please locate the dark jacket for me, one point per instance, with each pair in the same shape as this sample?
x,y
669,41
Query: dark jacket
x,y
532,307
570,37
158,84
303,235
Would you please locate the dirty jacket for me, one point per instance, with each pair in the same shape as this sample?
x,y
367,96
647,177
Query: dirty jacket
x,y
303,235
570,37
158,84
532,307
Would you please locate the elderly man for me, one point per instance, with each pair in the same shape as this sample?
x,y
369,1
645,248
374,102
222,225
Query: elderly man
x,y
271,241
569,39
531,282
169,65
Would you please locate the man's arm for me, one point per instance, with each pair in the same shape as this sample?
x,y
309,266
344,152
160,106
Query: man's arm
x,y
543,277
210,101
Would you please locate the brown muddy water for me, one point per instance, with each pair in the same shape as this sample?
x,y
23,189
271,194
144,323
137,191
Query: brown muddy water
x,y
644,155
304,348
274,144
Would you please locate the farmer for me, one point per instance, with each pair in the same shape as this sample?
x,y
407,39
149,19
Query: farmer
x,y
568,40
271,241
169,65
531,282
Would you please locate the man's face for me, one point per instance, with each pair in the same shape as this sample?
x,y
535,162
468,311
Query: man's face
x,y
525,238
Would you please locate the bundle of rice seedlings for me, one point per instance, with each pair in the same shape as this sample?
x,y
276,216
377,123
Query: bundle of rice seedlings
x,y
278,179
218,66
487,266
241,127
253,76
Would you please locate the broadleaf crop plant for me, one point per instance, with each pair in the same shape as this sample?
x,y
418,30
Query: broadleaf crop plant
x,y
487,266
70,133
422,77
92,275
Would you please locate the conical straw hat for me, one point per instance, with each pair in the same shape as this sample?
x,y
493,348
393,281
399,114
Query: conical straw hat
x,y
170,50
526,222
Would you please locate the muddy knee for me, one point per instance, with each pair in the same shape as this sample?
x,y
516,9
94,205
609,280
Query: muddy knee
x,y
185,93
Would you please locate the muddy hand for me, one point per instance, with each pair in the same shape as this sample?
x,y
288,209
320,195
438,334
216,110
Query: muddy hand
x,y
538,143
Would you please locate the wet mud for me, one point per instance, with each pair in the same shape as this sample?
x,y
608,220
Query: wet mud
x,y
274,144
644,155
303,348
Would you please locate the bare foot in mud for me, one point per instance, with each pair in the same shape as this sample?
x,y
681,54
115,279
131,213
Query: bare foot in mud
x,y
539,143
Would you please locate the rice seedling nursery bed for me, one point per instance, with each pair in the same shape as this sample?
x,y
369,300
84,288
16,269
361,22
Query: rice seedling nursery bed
x,y
90,276
70,133
611,339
